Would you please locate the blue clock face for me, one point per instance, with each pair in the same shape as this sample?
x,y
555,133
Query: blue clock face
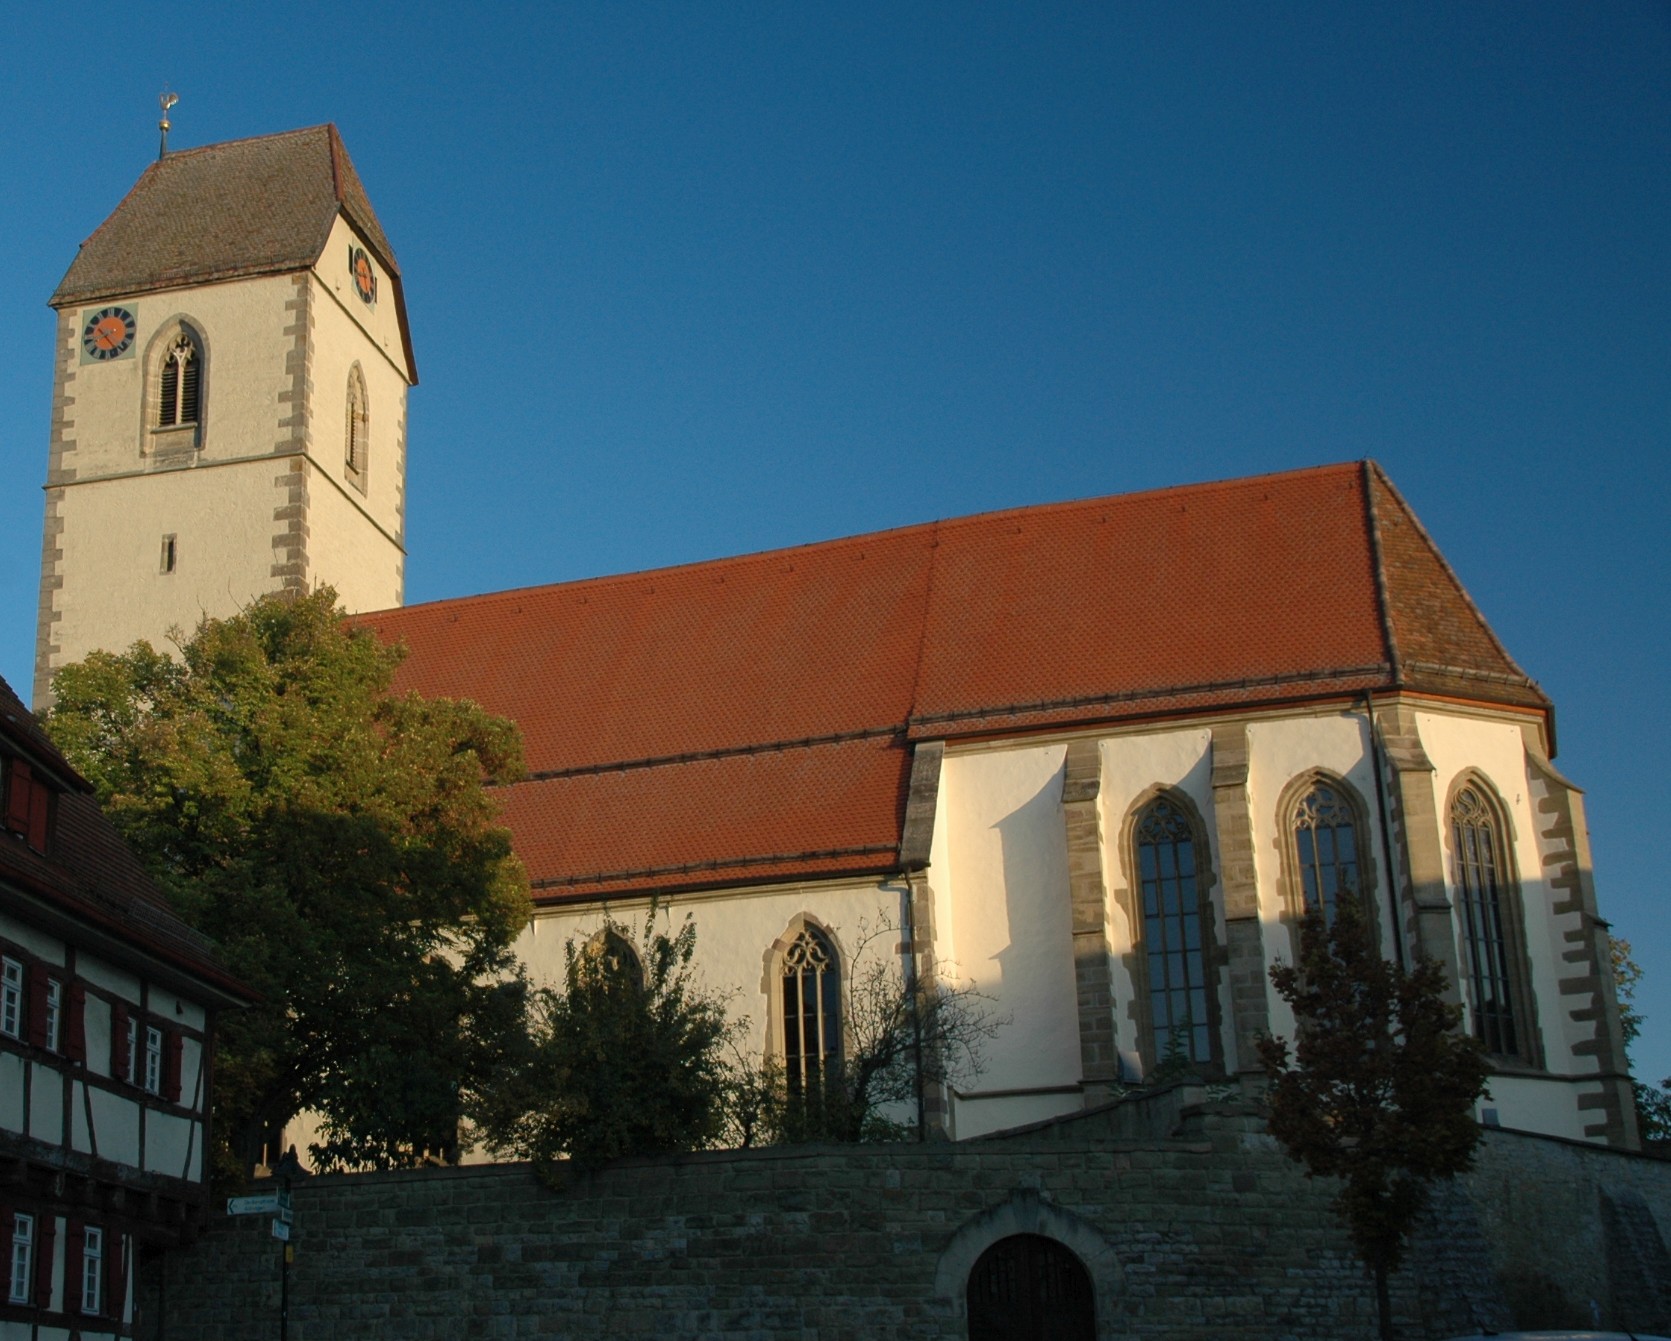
x,y
108,333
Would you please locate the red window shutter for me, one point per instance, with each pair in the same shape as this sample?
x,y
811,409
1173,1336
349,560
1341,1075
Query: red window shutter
x,y
75,1244
18,779
46,1232
35,997
115,1274
40,799
174,1048
75,1024
119,1018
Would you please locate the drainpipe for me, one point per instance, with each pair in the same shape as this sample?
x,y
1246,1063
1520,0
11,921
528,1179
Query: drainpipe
x,y
909,927
1386,829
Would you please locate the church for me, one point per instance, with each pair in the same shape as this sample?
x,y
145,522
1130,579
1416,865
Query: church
x,y
1095,758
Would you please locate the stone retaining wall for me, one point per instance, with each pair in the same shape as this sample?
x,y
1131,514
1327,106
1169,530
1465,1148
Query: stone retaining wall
x,y
1212,1232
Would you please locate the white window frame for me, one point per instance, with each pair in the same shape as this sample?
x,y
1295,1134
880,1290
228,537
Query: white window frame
x,y
153,1059
23,1258
11,998
54,1013
92,1271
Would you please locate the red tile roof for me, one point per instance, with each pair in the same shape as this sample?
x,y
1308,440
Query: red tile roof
x,y
751,719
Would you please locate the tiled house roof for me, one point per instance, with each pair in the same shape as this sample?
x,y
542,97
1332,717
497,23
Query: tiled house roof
x,y
261,206
89,875
751,719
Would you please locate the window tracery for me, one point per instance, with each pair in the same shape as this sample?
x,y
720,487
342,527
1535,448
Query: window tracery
x,y
1489,933
811,1002
1327,847
1176,934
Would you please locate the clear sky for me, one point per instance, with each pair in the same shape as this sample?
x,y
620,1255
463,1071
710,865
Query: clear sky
x,y
771,273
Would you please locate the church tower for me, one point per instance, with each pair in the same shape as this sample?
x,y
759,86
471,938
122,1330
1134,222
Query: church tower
x,y
229,400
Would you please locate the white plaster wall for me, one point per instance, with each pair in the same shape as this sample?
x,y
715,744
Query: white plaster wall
x,y
173,1146
46,1105
1529,1104
11,1091
380,321
114,592
1133,767
1013,922
118,982
1280,749
116,1120
242,324
347,551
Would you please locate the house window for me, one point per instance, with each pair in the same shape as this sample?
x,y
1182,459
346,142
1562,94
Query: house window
x,y
92,1271
170,553
358,432
1485,897
11,998
1327,847
179,382
811,1012
153,1059
54,1013
1176,927
23,1258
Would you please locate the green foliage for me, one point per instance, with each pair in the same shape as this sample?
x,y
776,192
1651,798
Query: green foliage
x,y
1381,1087
1653,1103
627,1059
337,841
900,1039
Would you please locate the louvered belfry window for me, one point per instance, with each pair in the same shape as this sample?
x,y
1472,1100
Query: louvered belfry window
x,y
181,379
811,1012
1480,883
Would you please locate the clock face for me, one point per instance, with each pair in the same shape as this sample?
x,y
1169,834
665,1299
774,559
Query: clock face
x,y
365,277
108,333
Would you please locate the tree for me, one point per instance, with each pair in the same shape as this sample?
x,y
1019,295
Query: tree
x,y
336,839
627,1059
1381,1089
1653,1103
902,1037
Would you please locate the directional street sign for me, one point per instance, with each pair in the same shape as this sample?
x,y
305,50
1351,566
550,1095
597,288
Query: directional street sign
x,y
266,1204
281,1231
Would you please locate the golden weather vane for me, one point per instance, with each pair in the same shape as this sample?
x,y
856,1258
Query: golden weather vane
x,y
167,101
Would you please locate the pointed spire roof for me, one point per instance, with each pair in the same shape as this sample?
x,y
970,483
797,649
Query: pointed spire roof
x,y
226,211
763,708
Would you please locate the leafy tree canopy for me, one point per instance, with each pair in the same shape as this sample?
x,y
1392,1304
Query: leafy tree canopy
x,y
1653,1102
337,841
1380,1088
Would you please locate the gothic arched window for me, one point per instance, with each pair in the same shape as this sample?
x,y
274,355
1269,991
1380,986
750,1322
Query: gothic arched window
x,y
1328,847
811,987
1486,900
1177,920
356,437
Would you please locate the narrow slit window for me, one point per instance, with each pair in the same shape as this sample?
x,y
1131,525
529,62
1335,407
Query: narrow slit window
x,y
170,553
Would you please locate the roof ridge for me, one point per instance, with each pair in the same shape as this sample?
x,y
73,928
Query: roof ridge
x,y
247,139
931,527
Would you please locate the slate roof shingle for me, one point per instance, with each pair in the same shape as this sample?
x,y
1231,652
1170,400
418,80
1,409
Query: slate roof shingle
x,y
750,719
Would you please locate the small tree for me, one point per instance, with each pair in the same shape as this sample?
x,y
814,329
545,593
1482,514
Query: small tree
x,y
627,1059
902,1037
1381,1089
1653,1102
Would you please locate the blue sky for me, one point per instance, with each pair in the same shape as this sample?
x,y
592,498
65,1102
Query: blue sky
x,y
775,273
